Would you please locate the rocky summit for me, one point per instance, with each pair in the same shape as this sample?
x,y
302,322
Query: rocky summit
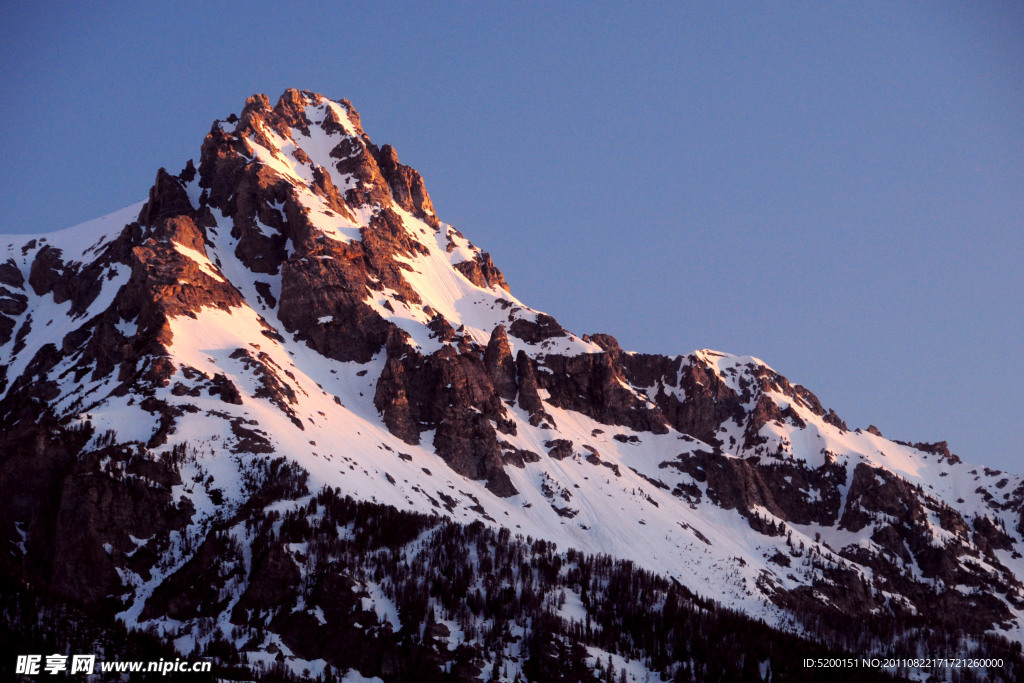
x,y
281,415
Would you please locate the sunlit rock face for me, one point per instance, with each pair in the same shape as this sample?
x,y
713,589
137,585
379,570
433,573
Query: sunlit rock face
x,y
292,316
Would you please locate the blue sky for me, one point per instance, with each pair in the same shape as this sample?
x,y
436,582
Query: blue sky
x,y
836,188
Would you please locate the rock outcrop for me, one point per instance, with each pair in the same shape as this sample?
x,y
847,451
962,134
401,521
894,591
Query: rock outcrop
x,y
500,366
294,298
406,186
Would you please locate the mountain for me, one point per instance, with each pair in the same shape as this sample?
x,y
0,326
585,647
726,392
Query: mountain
x,y
281,415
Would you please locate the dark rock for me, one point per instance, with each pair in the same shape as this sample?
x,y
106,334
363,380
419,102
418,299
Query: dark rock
x,y
709,402
449,391
249,440
355,158
469,445
290,111
12,305
263,289
833,419
80,516
167,198
874,490
6,331
406,185
606,341
500,366
559,449
74,339
481,271
38,456
322,302
383,240
392,393
46,273
271,385
222,160
780,488
332,123
440,328
180,389
80,284
939,448
768,380
534,332
529,396
257,104
188,174
259,191
643,369
765,411
592,384
164,283
324,187
97,509
11,275
889,538
224,388
517,456
167,415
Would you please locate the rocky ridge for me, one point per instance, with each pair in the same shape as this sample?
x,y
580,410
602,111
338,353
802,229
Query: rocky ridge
x,y
296,295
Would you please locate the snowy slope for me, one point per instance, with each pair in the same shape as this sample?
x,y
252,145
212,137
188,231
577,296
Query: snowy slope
x,y
649,495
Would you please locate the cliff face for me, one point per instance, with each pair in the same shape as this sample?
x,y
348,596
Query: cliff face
x,y
295,296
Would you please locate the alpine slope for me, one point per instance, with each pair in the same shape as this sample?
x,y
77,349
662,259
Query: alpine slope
x,y
294,299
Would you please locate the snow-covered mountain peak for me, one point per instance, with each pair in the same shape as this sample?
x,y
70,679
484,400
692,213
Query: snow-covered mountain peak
x,y
295,295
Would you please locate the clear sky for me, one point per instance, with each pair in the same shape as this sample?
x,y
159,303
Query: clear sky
x,y
836,188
